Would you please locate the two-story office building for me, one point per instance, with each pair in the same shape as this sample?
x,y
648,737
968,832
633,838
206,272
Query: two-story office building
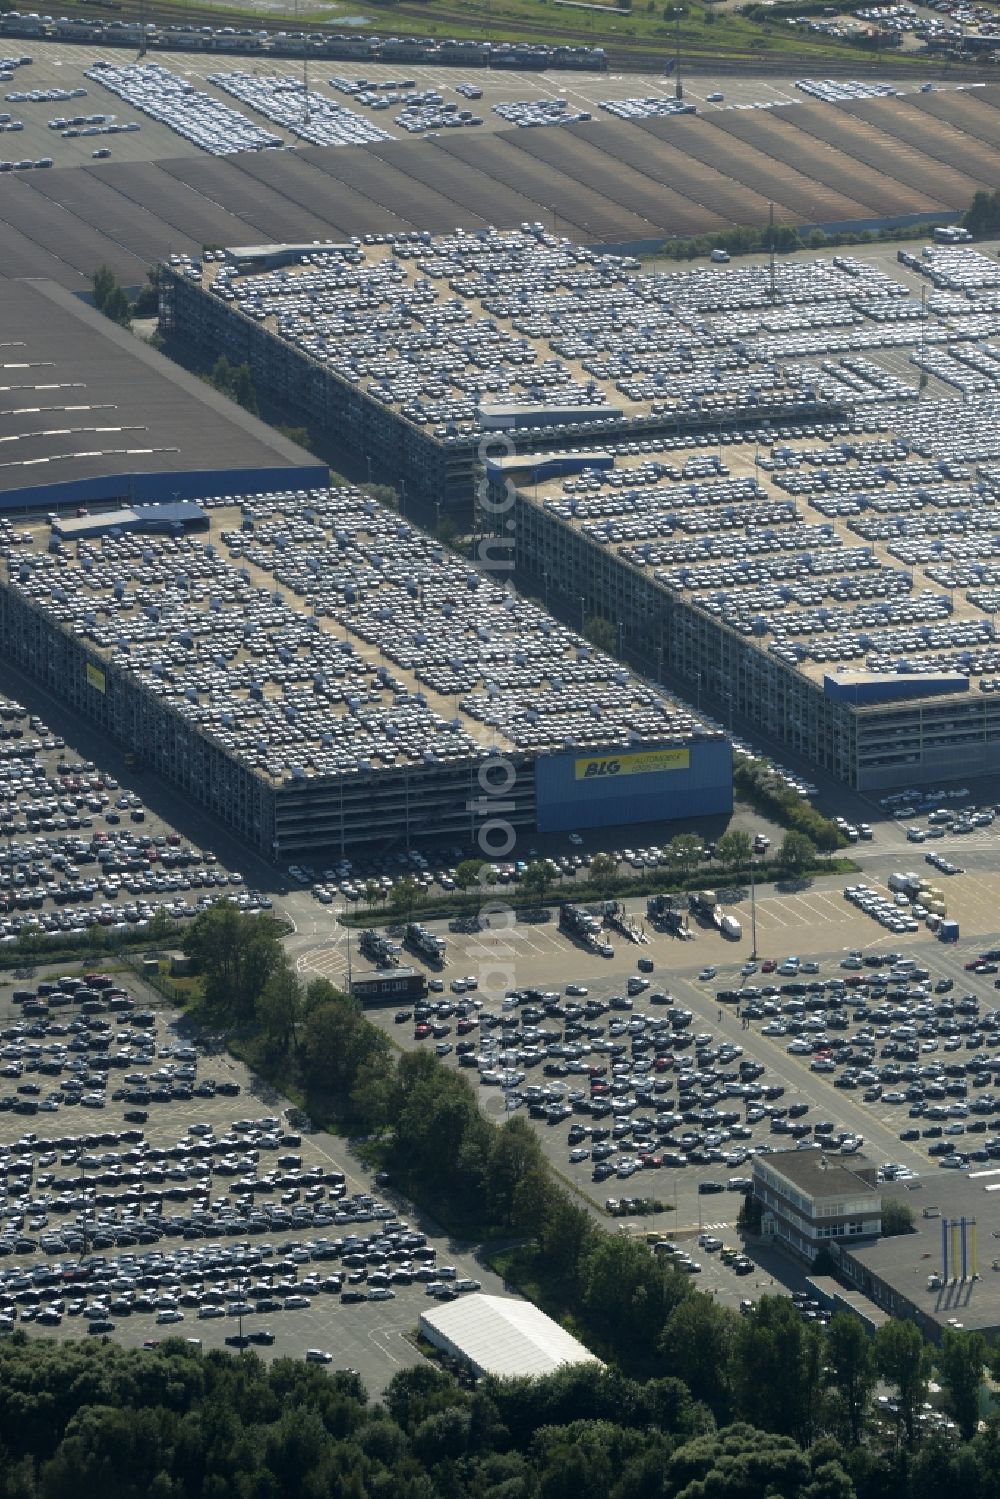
x,y
808,1198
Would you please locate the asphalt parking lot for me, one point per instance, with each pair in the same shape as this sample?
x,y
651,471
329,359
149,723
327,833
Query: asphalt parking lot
x,y
927,1044
81,849
814,921
127,1219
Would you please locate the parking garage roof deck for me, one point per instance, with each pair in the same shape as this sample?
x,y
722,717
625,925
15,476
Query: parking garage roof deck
x,y
864,546
790,578
333,638
396,302
437,329
449,332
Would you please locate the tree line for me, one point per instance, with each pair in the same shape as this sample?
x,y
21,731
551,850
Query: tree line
x,y
172,1422
758,783
685,867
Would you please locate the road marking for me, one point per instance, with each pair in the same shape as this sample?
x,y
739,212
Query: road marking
x,y
374,1337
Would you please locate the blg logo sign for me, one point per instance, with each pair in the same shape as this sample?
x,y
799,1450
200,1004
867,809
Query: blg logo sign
x,y
602,768
643,762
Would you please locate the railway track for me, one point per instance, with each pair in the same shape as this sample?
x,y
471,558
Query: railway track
x,y
643,59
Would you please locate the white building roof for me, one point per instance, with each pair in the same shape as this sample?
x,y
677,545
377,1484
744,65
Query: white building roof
x,y
501,1336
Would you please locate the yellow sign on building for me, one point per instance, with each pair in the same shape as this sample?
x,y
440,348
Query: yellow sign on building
x,y
639,763
96,678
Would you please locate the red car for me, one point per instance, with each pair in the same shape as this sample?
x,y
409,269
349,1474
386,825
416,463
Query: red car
x,y
769,965
421,1031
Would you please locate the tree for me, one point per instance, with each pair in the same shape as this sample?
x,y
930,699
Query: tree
x,y
280,1005
440,1139
469,876
850,1370
601,633
104,282
235,952
797,852
697,1343
384,494
299,435
983,214
629,1291
776,1368
961,1361
902,1360
897,1218
603,872
147,301
514,1153
236,382
244,391
373,894
109,298
751,1211
733,849
403,895
537,878
532,1202
118,308
372,1089
685,851
740,1462
160,926
829,1481
336,1041
414,1394
568,1235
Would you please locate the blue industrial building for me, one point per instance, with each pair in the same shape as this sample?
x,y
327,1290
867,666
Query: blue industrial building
x,y
595,789
869,687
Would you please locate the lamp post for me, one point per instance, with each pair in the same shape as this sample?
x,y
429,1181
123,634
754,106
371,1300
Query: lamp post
x,y
753,911
583,622
678,86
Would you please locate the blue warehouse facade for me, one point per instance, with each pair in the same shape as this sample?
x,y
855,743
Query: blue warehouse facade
x,y
596,790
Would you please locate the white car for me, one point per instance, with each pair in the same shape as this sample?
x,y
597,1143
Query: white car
x,y
706,974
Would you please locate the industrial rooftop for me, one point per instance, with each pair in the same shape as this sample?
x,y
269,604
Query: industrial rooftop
x,y
604,181
907,1269
500,1336
86,406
